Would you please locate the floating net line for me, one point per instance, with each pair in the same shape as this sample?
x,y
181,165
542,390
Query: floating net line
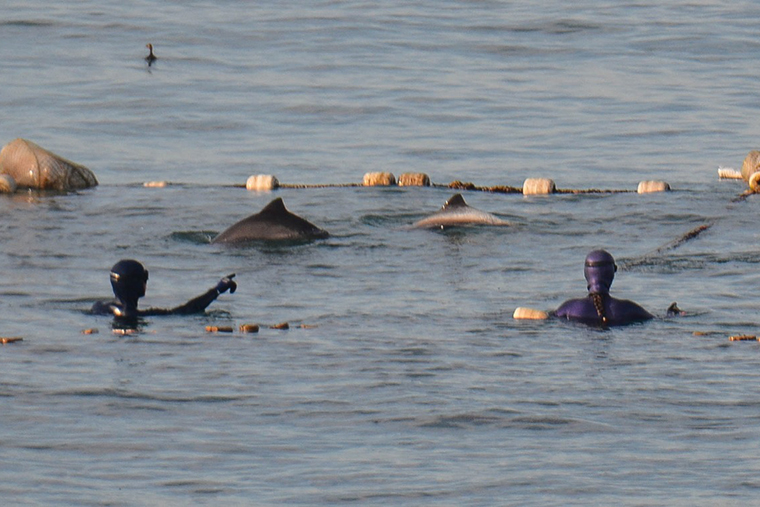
x,y
454,185
503,189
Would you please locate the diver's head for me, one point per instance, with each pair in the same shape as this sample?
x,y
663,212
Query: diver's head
x,y
600,271
129,279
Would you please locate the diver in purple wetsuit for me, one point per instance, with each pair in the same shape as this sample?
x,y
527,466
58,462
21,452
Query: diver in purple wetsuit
x,y
129,280
599,308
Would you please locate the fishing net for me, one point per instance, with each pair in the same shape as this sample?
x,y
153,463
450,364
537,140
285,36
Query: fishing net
x,y
34,167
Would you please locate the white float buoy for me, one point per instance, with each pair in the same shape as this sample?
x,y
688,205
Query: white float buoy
x,y
379,179
727,173
155,184
7,184
529,314
414,180
648,187
262,183
35,167
538,186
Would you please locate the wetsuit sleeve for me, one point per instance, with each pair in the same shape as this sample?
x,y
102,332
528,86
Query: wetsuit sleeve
x,y
198,304
195,305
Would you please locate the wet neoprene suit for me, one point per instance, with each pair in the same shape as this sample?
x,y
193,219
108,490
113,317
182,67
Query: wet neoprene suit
x,y
599,308
129,279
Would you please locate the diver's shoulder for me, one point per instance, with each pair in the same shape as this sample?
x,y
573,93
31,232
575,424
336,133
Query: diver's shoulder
x,y
572,306
102,308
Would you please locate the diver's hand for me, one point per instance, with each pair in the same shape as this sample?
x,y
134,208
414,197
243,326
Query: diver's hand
x,y
226,284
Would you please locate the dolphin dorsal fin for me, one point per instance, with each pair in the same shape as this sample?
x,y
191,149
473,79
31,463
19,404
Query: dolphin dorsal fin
x,y
456,201
276,207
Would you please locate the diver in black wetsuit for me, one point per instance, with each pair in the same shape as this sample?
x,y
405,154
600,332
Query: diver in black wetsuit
x,y
129,280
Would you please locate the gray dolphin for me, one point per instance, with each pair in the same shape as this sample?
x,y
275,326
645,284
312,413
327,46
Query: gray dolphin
x,y
456,212
273,223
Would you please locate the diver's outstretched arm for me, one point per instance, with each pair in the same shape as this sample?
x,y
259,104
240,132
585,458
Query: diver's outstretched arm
x,y
198,304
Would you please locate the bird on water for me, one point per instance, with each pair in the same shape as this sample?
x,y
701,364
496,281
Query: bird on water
x,y
151,57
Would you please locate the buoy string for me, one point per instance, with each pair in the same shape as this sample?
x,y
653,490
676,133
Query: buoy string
x,y
501,189
672,245
743,196
593,191
459,185
319,185
680,241
455,185
161,184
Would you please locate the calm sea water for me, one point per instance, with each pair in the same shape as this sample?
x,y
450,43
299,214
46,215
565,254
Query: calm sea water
x,y
410,383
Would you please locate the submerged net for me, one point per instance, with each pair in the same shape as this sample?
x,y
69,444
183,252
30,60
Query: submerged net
x,y
35,167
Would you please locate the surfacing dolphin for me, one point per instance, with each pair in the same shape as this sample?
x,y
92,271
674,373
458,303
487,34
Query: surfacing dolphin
x,y
456,212
273,223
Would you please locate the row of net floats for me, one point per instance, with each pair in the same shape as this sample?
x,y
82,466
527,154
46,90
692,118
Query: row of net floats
x,y
531,186
26,165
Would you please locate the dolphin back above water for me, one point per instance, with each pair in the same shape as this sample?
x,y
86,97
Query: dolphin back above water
x,y
273,223
456,212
